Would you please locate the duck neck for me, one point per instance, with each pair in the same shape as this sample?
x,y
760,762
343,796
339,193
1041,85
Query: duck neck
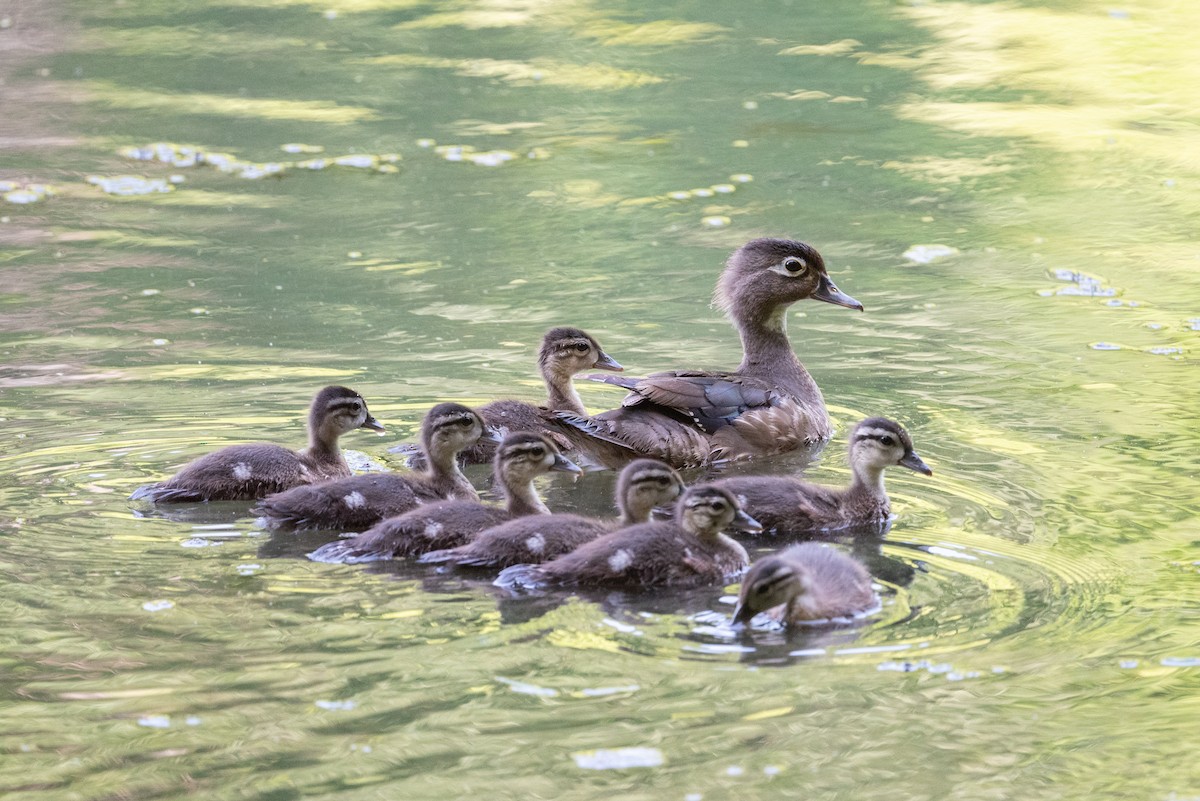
x,y
561,395
521,498
767,351
867,482
323,445
444,474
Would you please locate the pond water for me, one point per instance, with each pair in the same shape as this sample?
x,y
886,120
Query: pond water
x,y
401,196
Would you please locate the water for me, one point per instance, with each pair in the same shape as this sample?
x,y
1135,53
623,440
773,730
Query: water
x,y
1010,190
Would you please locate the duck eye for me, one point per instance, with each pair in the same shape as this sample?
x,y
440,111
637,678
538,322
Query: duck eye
x,y
581,347
888,441
538,453
795,265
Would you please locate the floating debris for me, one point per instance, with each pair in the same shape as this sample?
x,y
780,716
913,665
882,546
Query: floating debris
x,y
158,606
249,570
24,194
1105,346
189,156
155,721
129,185
618,758
1180,661
340,706
525,688
295,147
716,221
925,254
1165,350
1082,285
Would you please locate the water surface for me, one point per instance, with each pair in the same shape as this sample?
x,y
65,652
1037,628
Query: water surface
x,y
401,196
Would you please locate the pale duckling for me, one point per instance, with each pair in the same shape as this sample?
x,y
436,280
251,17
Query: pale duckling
x,y
807,582
564,353
520,459
688,551
642,485
359,502
787,505
769,404
255,470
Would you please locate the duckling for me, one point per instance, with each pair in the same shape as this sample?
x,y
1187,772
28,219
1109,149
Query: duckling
x,y
254,470
769,404
521,457
564,352
806,582
359,502
690,552
784,504
642,485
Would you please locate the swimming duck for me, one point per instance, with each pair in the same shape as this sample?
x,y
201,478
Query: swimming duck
x,y
564,352
521,457
785,504
685,552
769,404
359,502
642,485
807,582
257,469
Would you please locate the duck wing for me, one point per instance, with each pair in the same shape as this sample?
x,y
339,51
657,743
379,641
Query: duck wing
x,y
709,400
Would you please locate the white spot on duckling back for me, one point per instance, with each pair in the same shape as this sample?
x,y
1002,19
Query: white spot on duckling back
x,y
433,529
536,543
620,560
354,500
242,471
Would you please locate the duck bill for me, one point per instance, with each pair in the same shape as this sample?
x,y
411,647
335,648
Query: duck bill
x,y
743,614
914,462
373,425
564,465
491,434
606,362
744,522
828,292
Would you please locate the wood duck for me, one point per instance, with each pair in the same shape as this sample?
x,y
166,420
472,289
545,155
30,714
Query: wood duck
x,y
564,352
521,457
257,469
690,552
359,502
805,583
787,505
769,404
642,485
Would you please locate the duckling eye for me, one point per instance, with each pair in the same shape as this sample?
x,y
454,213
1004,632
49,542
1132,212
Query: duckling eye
x,y
795,265
581,347
538,453
887,441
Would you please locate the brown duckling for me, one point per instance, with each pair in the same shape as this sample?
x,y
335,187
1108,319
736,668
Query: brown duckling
x,y
787,505
359,502
255,470
807,582
521,458
685,552
564,352
642,485
769,404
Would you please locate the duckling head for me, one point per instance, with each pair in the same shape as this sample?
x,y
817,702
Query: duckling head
x,y
705,510
764,276
645,484
771,582
523,455
877,442
449,428
566,351
336,410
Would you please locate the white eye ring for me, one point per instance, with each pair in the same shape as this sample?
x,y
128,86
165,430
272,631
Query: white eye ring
x,y
795,264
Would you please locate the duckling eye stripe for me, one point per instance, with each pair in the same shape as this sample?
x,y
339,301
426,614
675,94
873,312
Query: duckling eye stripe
x,y
341,405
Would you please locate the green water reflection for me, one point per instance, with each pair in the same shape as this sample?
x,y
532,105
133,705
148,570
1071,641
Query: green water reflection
x,y
507,166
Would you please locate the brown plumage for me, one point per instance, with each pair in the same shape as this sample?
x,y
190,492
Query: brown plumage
x,y
520,458
787,505
688,551
769,404
359,502
564,352
255,470
642,485
807,582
